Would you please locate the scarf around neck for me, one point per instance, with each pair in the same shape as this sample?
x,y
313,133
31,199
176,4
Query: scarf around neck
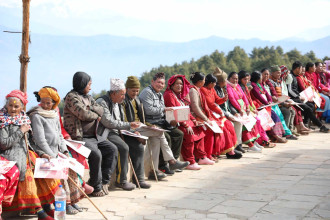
x,y
6,119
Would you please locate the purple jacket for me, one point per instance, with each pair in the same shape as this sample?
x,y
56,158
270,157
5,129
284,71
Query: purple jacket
x,y
257,94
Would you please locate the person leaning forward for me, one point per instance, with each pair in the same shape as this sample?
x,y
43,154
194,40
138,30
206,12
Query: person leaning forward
x,y
112,121
81,114
157,141
154,108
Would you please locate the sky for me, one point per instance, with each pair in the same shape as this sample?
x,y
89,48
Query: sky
x,y
174,20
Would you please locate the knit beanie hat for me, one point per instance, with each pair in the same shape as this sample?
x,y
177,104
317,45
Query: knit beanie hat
x,y
274,68
132,82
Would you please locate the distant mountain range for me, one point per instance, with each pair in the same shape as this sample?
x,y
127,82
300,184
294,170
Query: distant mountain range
x,y
54,59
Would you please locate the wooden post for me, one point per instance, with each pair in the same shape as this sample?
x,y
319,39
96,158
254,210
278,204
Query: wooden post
x,y
24,58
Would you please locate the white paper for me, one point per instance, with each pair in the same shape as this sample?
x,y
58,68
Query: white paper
x,y
2,177
73,164
317,99
56,168
78,147
282,98
5,166
155,128
214,127
264,106
265,120
128,133
307,94
179,114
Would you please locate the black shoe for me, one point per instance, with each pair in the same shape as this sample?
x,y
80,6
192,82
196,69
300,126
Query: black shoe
x,y
179,165
126,186
324,129
235,156
167,170
238,152
291,137
143,184
240,148
160,175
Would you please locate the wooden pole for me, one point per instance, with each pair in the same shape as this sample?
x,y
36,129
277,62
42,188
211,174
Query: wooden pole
x,y
24,58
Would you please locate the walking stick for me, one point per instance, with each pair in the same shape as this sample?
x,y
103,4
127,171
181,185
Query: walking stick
x,y
148,146
27,148
74,183
130,161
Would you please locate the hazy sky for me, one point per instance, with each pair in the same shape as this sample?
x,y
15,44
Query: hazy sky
x,y
175,20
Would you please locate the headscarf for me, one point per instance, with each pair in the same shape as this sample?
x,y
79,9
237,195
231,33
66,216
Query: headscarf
x,y
185,88
80,81
284,72
18,94
21,118
47,92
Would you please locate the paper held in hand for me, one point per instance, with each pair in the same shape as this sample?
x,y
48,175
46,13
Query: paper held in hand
x,y
5,166
214,127
247,120
55,168
282,98
155,128
79,147
73,164
179,114
128,133
317,99
307,94
265,120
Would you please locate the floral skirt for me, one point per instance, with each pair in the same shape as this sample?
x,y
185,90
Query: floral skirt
x,y
32,193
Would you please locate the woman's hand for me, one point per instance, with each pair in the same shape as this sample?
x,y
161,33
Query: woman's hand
x,y
168,109
241,112
190,130
275,99
25,128
46,156
198,123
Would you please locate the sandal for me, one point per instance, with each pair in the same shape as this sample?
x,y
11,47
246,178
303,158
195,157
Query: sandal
x,y
267,144
77,207
98,194
70,210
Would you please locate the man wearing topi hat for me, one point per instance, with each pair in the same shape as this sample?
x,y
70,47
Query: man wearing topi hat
x,y
112,122
134,112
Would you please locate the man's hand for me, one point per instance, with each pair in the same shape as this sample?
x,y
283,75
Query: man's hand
x,y
135,125
190,130
173,123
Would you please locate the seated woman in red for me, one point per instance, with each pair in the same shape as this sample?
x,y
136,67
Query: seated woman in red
x,y
176,94
8,186
213,101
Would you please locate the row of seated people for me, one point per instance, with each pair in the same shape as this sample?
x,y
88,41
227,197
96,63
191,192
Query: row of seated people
x,y
215,98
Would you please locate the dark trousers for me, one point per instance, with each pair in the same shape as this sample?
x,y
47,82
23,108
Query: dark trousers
x,y
102,161
308,113
174,139
135,149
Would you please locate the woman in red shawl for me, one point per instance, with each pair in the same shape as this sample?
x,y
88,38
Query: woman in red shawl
x,y
213,101
193,139
215,143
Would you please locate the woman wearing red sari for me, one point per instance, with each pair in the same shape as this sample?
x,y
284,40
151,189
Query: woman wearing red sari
x,y
176,94
214,143
213,101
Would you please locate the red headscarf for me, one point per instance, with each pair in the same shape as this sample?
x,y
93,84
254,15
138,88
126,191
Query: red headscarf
x,y
18,94
186,85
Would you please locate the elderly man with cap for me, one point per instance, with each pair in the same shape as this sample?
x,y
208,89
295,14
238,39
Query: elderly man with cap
x,y
154,109
134,112
281,89
81,114
111,123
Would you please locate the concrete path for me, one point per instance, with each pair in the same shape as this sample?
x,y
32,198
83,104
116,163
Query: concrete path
x,y
290,181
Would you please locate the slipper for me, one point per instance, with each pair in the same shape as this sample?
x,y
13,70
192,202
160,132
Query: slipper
x,y
70,210
98,194
77,207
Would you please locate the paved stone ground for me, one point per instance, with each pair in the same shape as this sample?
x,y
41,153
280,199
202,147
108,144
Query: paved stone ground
x,y
290,181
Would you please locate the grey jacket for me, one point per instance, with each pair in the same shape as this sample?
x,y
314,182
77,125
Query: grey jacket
x,y
13,147
153,104
47,135
108,119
